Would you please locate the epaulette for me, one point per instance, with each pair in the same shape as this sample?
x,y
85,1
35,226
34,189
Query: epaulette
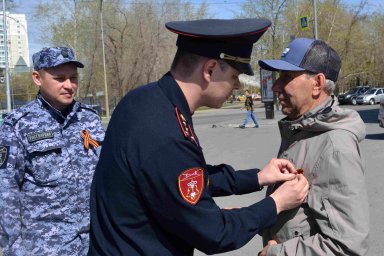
x,y
88,107
13,117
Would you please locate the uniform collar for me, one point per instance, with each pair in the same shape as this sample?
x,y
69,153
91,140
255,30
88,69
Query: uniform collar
x,y
175,95
57,114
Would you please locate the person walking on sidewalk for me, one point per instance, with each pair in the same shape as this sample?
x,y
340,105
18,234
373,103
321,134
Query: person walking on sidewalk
x,y
248,104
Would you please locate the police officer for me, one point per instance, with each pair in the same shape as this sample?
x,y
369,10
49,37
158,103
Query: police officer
x,y
152,189
48,152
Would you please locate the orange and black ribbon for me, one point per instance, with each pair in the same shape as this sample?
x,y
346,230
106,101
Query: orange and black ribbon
x,y
88,141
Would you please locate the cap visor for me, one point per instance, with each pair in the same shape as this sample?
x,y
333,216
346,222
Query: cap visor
x,y
278,65
77,63
243,68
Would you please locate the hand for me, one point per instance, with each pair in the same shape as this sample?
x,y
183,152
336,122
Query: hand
x,y
277,170
291,194
265,249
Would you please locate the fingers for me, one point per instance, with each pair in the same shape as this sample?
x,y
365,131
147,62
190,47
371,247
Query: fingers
x,y
291,193
284,165
286,176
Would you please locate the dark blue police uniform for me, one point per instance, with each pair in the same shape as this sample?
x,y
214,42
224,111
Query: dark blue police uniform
x,y
152,191
136,205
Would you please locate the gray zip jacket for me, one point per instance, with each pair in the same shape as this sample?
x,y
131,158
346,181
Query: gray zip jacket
x,y
334,220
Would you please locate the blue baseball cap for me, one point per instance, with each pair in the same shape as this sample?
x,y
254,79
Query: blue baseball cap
x,y
53,57
306,54
231,40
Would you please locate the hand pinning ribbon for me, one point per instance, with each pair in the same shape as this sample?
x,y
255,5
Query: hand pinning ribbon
x,y
88,140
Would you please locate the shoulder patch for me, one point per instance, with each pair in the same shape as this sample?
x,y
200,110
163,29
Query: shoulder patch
x,y
4,152
191,184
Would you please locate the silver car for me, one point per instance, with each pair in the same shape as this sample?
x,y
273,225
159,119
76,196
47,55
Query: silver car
x,y
381,113
372,96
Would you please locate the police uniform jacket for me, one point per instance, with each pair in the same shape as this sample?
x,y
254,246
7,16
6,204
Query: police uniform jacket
x,y
335,218
45,179
152,189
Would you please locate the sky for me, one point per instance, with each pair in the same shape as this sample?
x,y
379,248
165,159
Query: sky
x,y
220,9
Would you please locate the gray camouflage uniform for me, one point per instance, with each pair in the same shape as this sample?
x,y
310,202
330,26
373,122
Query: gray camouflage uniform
x,y
45,178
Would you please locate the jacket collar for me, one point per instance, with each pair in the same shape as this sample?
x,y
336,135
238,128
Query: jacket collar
x,y
175,95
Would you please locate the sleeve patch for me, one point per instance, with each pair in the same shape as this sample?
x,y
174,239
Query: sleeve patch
x,y
191,184
4,152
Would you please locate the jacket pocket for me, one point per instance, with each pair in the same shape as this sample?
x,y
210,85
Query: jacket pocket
x,y
330,212
45,162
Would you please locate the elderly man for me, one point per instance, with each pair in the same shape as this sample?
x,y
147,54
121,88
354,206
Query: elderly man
x,y
322,139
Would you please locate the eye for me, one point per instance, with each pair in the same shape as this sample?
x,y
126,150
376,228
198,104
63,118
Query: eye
x,y
74,79
60,79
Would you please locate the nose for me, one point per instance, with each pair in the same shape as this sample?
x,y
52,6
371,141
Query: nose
x,y
67,83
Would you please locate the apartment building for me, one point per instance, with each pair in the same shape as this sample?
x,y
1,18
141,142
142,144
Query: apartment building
x,y
17,37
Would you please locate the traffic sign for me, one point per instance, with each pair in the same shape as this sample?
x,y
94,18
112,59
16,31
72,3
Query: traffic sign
x,y
304,22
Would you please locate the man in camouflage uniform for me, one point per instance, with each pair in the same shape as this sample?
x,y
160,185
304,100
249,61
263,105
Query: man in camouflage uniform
x,y
48,152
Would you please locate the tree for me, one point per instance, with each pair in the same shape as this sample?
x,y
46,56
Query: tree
x,y
138,49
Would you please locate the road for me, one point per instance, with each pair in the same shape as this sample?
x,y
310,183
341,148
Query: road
x,y
251,147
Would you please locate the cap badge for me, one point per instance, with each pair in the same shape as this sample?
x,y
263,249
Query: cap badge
x,y
191,184
64,53
185,127
286,50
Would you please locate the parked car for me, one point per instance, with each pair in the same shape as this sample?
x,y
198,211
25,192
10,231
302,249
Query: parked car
x,y
350,96
381,113
372,96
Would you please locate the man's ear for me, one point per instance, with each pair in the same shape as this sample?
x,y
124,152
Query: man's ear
x,y
36,77
208,68
319,83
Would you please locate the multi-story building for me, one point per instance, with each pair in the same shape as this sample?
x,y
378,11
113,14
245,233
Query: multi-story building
x,y
17,37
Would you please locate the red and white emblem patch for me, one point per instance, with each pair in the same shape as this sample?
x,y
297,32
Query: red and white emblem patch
x,y
191,184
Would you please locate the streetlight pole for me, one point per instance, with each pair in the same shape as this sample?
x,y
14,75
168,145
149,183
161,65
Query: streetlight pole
x,y
315,18
105,72
8,91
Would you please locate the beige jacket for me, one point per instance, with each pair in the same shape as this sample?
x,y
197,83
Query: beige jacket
x,y
335,219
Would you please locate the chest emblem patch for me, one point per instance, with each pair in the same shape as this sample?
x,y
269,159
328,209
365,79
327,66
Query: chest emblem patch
x,y
36,136
191,184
